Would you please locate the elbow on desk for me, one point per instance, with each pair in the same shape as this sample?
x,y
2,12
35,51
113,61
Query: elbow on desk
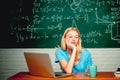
x,y
68,71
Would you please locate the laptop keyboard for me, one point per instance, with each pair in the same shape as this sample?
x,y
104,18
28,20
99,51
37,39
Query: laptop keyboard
x,y
57,74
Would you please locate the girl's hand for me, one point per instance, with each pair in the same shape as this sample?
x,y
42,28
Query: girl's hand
x,y
70,45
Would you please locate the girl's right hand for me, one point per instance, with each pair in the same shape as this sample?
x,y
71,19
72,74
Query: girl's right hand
x,y
71,46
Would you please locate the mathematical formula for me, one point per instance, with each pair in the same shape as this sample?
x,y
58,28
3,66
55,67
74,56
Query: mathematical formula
x,y
55,15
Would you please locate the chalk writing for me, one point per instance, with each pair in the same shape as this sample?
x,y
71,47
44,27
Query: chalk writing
x,y
97,21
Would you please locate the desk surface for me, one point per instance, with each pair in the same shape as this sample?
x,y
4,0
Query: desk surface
x,y
75,76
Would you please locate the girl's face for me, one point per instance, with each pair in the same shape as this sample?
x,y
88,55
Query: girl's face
x,y
72,37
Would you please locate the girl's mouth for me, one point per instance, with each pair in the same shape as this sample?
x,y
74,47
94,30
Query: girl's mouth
x,y
73,42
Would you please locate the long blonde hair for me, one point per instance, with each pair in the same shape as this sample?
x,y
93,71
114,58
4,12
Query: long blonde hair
x,y
79,46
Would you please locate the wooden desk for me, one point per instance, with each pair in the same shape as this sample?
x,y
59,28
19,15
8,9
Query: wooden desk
x,y
75,76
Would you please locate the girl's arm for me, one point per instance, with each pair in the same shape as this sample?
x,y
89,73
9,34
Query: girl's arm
x,y
67,66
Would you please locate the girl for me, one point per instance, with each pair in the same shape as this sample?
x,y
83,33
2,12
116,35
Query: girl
x,y
70,54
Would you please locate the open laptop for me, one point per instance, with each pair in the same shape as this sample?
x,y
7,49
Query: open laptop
x,y
39,64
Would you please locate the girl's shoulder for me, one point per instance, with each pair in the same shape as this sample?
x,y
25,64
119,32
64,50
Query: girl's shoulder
x,y
86,52
60,50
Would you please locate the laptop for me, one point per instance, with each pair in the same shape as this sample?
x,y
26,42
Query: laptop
x,y
39,64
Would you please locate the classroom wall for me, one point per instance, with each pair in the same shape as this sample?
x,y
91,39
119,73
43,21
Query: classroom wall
x,y
12,61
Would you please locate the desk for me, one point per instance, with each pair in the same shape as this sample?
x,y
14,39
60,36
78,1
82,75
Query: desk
x,y
75,76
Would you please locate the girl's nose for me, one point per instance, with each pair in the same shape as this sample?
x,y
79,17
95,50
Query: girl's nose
x,y
73,39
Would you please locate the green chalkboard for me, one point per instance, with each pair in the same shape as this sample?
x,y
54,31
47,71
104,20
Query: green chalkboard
x,y
41,23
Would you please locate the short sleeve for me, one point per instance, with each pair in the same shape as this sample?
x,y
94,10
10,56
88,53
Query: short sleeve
x,y
89,62
59,54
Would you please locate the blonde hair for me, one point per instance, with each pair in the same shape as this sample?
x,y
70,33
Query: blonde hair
x,y
79,47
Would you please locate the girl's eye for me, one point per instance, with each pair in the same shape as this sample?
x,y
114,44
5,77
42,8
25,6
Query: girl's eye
x,y
76,37
70,36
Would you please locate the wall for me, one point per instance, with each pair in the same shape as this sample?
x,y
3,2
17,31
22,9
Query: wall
x,y
12,60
